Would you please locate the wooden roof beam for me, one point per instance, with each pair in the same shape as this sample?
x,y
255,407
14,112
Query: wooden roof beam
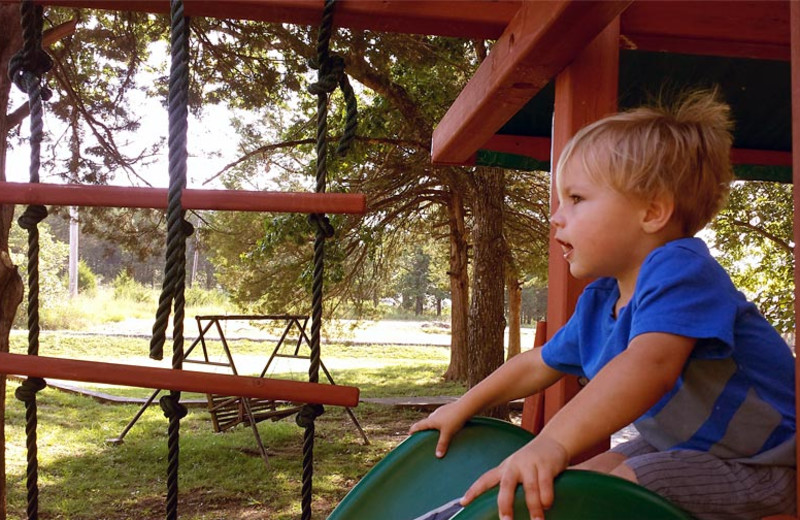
x,y
515,71
748,29
460,18
539,148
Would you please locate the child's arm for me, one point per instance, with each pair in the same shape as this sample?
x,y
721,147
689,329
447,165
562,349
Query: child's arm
x,y
621,392
521,376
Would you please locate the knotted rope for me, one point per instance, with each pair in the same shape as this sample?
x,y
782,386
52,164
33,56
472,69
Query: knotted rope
x,y
174,285
330,74
26,69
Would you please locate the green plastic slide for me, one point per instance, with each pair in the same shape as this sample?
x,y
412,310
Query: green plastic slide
x,y
411,481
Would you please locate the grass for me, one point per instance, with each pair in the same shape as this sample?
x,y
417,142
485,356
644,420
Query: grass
x,y
106,305
222,475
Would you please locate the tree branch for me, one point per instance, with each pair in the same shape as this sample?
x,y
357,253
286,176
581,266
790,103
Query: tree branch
x,y
298,142
760,231
17,116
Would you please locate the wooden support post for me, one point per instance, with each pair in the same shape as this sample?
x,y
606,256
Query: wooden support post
x,y
794,16
533,409
585,91
514,71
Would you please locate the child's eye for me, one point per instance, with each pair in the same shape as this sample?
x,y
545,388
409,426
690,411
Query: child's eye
x,y
575,198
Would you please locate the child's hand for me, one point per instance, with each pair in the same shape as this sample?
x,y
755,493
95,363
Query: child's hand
x,y
535,465
448,419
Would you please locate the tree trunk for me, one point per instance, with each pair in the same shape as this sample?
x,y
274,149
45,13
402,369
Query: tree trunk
x,y
486,321
10,282
514,314
459,290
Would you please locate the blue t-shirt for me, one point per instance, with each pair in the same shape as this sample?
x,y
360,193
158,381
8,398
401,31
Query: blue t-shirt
x,y
735,395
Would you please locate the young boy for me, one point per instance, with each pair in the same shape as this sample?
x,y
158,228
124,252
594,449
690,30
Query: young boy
x,y
663,336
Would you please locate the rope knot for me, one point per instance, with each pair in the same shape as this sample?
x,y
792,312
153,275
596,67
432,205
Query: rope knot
x,y
331,72
307,414
31,217
323,224
27,67
188,228
27,391
171,406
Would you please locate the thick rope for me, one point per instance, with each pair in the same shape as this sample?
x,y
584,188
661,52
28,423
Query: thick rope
x,y
26,69
330,73
173,288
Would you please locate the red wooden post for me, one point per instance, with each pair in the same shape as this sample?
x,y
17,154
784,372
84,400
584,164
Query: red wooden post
x,y
585,91
533,409
794,17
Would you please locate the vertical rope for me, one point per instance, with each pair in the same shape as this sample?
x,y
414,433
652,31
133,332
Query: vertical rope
x,y
26,69
330,73
173,288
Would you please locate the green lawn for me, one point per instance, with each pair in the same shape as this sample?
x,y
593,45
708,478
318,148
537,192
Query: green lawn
x,y
222,475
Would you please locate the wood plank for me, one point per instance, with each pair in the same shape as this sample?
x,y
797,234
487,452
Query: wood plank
x,y
539,148
745,28
462,18
53,34
226,200
761,157
585,92
535,147
180,380
533,407
753,29
706,47
795,40
541,39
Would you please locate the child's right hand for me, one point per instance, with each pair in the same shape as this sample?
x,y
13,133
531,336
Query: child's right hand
x,y
448,419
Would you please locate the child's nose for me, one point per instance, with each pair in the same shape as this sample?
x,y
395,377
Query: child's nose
x,y
557,219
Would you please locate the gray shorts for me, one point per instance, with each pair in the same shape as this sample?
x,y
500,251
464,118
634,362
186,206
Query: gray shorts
x,y
710,488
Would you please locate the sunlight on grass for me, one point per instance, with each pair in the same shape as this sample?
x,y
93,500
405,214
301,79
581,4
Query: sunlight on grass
x,y
82,477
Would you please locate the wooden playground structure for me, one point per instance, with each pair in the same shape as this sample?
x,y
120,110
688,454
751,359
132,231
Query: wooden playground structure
x,y
555,67
215,352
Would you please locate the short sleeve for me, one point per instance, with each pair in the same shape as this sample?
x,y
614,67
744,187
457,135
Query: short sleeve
x,y
562,351
683,292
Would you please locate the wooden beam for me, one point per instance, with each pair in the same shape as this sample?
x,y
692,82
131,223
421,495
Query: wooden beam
x,y
585,92
536,147
156,198
751,28
53,34
746,28
541,39
179,380
539,148
795,44
533,408
459,18
705,47
761,157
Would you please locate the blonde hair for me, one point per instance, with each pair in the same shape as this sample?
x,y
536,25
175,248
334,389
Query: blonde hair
x,y
682,151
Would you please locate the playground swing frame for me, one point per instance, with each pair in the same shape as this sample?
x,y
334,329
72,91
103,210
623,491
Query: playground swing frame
x,y
455,141
28,68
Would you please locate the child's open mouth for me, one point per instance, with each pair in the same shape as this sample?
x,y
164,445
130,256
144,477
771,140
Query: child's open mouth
x,y
566,249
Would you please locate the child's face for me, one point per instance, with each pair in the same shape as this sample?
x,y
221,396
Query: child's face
x,y
598,227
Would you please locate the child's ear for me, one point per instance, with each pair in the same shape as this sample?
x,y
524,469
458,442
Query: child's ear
x,y
658,213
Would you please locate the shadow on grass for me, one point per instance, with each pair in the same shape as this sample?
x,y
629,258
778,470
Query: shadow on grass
x,y
222,475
